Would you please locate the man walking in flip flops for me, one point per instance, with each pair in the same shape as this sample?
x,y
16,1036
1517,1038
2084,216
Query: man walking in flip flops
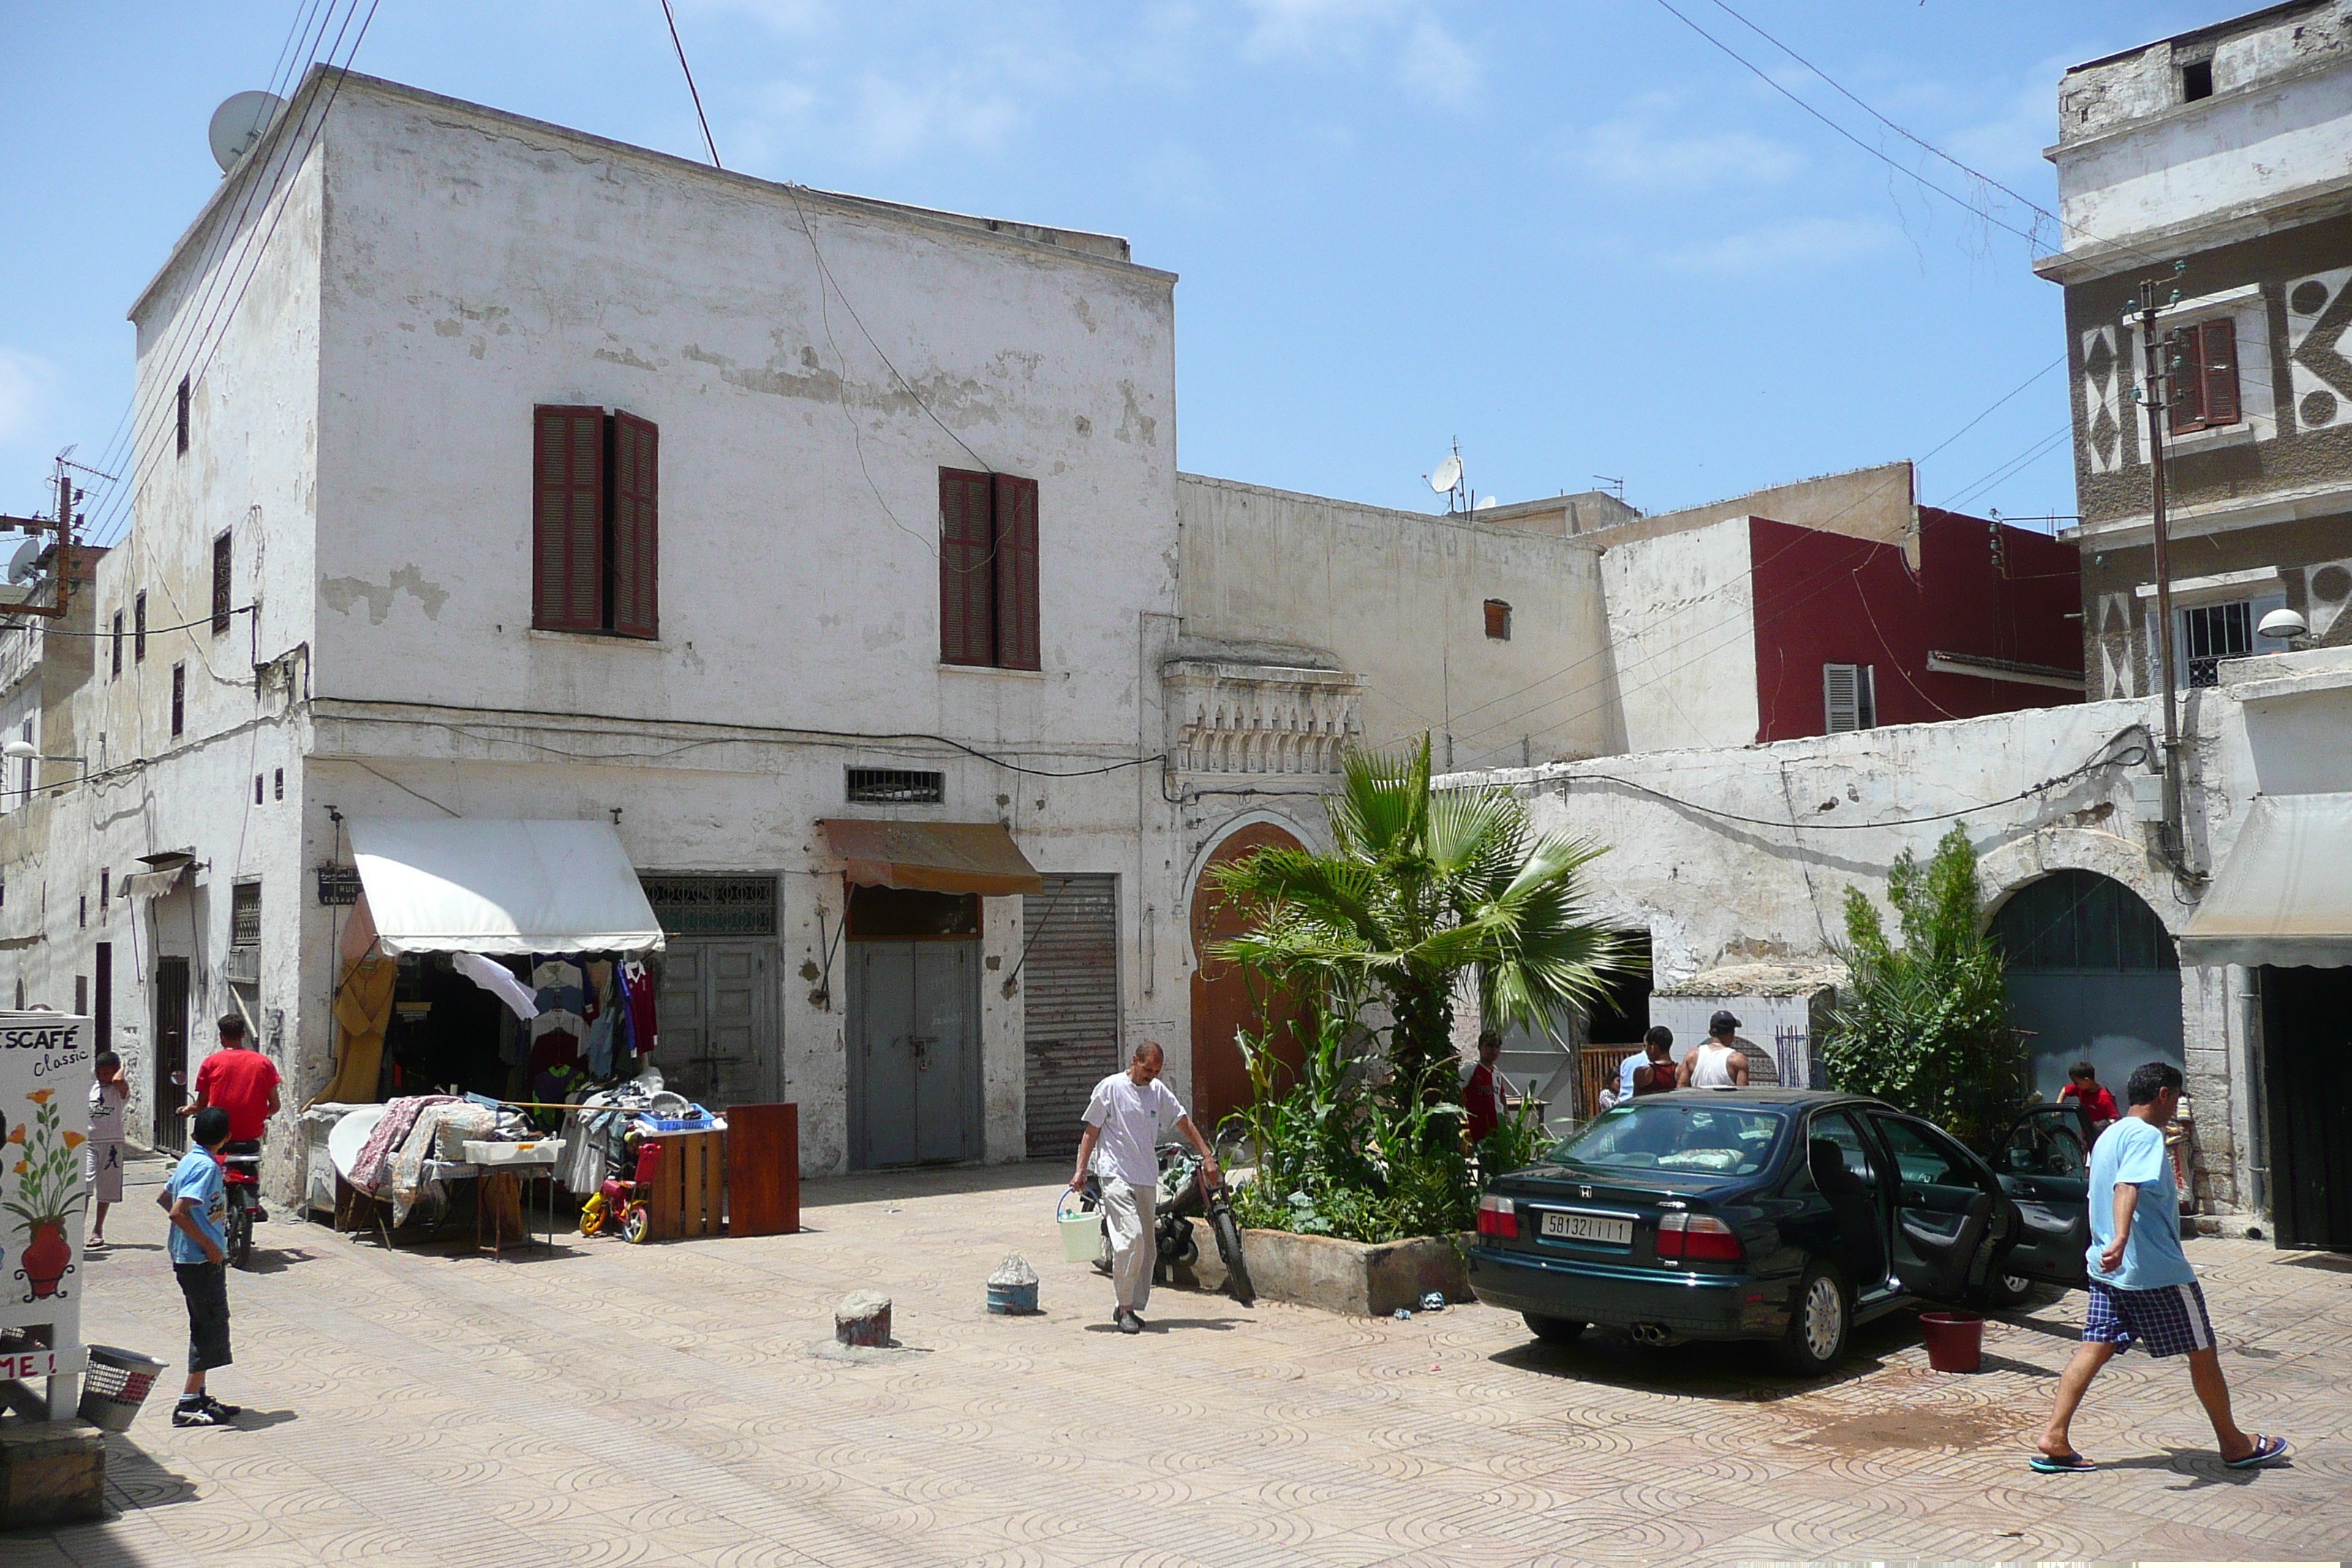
x,y
2143,1291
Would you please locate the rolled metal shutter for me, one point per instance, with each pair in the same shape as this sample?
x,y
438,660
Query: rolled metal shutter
x,y
1069,985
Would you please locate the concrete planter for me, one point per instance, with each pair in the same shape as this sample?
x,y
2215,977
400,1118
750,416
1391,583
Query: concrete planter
x,y
1364,1279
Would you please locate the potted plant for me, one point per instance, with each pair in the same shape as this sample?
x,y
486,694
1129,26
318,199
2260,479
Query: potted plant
x,y
48,1193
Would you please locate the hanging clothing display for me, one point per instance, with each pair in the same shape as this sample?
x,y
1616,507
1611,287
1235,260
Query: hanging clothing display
x,y
642,1026
362,1011
498,980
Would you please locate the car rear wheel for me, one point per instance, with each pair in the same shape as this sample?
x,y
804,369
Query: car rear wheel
x,y
1819,1323
1553,1330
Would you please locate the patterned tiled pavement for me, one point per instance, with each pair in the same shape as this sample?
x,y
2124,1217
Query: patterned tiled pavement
x,y
683,1405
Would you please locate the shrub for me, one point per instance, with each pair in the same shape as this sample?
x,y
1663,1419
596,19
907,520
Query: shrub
x,y
1924,1027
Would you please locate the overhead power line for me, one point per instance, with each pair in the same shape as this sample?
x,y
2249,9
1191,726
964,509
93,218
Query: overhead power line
x,y
692,91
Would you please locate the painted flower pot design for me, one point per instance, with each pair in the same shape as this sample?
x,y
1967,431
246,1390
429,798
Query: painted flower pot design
x,y
46,1259
48,1193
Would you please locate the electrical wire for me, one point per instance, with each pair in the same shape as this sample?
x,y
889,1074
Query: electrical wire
x,y
151,631
692,90
766,732
2095,764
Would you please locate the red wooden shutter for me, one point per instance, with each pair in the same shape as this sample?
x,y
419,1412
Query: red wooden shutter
x,y
2220,343
967,590
2184,381
567,525
636,532
1016,574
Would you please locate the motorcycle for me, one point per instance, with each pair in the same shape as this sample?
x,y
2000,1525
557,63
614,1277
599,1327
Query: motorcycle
x,y
1182,1198
241,1178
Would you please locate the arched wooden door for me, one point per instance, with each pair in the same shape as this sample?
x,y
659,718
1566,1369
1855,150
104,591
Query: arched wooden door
x,y
1225,997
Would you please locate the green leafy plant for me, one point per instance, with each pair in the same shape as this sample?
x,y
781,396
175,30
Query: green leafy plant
x,y
1420,888
1925,1025
49,1186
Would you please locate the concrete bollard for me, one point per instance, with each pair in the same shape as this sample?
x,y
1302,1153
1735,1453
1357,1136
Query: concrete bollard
x,y
863,1318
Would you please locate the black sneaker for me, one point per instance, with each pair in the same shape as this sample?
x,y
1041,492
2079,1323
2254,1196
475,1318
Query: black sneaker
x,y
1129,1323
198,1415
227,1412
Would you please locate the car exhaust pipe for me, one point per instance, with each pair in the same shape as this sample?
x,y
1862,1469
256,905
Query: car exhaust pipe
x,y
1655,1335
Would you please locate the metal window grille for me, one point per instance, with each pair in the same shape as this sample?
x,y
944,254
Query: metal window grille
x,y
713,905
339,885
245,915
897,786
2212,633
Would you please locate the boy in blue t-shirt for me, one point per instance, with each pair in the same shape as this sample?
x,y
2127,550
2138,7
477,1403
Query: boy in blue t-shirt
x,y
2142,1290
196,1198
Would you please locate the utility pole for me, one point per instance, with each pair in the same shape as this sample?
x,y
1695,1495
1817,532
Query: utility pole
x,y
2156,397
63,524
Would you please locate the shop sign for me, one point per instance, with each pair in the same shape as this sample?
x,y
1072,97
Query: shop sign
x,y
46,1067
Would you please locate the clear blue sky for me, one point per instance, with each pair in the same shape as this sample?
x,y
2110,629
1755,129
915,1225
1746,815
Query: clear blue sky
x,y
1573,234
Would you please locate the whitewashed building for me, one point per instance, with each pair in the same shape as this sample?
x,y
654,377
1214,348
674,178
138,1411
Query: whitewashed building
x,y
529,476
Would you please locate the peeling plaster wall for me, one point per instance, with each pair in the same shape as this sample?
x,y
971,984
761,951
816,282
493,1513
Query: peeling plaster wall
x,y
1398,597
1681,666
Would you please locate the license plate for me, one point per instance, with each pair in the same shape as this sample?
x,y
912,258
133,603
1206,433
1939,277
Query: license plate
x,y
1589,1227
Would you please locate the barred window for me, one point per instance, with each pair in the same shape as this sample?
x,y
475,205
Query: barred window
x,y
245,915
897,786
713,905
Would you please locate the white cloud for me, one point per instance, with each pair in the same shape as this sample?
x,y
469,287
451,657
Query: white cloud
x,y
1650,147
24,380
1437,67
1429,63
892,120
1806,242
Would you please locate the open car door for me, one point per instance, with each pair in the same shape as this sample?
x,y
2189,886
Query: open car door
x,y
2044,1166
1945,1209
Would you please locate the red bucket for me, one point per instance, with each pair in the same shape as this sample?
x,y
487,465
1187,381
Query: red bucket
x,y
1955,1341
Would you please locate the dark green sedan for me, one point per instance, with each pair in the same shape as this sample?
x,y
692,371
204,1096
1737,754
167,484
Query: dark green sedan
x,y
1786,1215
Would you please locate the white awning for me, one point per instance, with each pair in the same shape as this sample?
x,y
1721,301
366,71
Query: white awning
x,y
484,885
2285,894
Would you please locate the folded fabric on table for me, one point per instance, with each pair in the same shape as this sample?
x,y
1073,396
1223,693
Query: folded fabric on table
x,y
369,1172
425,1141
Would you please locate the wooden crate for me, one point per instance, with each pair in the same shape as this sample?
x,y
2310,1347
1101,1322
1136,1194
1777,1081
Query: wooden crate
x,y
763,1170
689,1185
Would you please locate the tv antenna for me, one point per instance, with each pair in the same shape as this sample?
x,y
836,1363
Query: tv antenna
x,y
239,122
1615,487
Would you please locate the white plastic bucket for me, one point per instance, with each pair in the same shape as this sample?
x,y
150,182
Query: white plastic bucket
x,y
1081,1232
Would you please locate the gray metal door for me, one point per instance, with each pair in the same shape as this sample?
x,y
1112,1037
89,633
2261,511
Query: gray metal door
x,y
2093,975
914,1010
718,1032
1069,988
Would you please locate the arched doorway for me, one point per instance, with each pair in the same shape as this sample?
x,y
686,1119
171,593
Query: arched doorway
x,y
1225,997
2093,974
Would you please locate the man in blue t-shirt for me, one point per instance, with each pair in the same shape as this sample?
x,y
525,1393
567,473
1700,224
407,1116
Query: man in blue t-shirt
x,y
196,1199
2142,1290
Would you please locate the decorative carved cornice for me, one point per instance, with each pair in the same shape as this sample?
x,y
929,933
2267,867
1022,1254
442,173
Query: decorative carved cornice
x,y
1260,718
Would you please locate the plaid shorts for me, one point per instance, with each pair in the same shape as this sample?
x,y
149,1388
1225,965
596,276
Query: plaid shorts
x,y
2167,1321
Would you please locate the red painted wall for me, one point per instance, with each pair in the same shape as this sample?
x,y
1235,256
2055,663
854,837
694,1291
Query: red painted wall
x,y
1822,598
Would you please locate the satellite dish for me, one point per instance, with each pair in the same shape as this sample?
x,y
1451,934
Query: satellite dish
x,y
1448,475
240,122
24,567
1484,502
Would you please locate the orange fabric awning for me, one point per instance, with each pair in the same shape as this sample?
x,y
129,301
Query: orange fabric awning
x,y
934,857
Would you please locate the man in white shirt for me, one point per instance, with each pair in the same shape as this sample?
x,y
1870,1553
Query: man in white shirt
x,y
1127,1118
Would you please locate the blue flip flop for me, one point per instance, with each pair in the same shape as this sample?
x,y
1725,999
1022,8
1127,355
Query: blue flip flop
x,y
2073,1463
2265,1450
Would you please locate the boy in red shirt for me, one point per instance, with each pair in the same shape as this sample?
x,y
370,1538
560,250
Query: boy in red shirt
x,y
2091,1095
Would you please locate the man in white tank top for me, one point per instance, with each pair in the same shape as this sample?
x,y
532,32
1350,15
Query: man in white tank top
x,y
1717,1064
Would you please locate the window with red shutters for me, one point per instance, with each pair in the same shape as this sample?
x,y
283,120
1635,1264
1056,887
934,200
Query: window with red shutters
x,y
567,525
967,576
635,555
1015,535
2220,343
2201,391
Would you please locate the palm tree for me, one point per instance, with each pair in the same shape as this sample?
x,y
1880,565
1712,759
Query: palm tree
x,y
1419,886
